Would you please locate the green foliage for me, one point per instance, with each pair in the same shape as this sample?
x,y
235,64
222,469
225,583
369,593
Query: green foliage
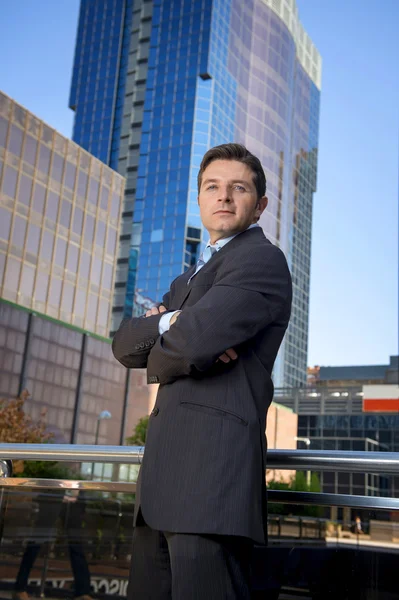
x,y
44,469
297,484
139,434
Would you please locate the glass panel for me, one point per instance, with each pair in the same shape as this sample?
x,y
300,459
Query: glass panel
x,y
80,302
30,150
39,195
100,233
104,197
72,260
60,251
57,167
15,140
25,189
55,292
44,159
19,230
10,181
70,175
11,278
3,131
65,217
27,278
115,205
77,221
84,267
52,205
41,287
89,228
111,241
67,297
95,271
82,184
107,276
93,191
32,241
5,223
46,251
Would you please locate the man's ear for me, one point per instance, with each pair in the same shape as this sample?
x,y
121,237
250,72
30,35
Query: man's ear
x,y
260,207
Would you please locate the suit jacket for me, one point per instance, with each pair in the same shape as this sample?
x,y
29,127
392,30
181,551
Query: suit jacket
x,y
203,469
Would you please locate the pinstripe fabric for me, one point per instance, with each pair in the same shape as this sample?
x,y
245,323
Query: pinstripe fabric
x,y
204,463
188,567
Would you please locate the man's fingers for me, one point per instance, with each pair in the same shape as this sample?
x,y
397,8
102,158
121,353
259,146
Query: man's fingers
x,y
154,311
224,358
162,309
231,353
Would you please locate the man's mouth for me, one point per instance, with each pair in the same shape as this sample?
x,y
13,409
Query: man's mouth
x,y
224,212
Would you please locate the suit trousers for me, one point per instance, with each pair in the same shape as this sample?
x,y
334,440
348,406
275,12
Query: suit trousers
x,y
177,566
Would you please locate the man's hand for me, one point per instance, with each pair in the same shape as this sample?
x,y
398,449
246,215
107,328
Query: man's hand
x,y
229,355
155,310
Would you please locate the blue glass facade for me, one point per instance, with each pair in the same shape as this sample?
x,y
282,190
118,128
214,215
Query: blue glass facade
x,y
99,75
210,72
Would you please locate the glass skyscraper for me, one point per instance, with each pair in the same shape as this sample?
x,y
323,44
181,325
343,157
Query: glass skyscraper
x,y
184,76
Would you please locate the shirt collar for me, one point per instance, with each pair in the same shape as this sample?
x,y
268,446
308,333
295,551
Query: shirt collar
x,y
220,243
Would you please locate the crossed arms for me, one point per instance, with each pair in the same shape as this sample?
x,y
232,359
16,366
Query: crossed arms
x,y
246,297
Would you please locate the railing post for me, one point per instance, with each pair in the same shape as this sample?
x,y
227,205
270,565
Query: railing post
x,y
79,389
25,356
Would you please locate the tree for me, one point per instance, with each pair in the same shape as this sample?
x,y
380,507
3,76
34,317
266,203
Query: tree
x,y
298,483
139,434
16,427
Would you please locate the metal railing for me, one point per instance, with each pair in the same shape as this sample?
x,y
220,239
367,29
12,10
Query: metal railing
x,y
301,460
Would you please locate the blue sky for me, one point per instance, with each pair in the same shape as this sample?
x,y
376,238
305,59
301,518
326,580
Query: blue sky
x,y
354,275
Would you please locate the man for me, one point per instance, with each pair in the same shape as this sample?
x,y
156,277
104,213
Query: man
x,y
211,345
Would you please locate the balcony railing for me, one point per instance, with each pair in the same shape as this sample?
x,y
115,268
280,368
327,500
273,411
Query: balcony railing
x,y
301,460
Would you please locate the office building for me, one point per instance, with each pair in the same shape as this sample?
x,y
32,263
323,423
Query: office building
x,y
59,222
154,85
355,374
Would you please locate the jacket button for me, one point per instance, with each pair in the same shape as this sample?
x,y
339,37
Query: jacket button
x,y
147,344
152,342
142,345
137,347
155,411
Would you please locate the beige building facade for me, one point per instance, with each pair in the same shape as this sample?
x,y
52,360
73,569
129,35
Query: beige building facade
x,y
59,222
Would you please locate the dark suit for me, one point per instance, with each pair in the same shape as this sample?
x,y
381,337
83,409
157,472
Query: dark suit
x,y
204,466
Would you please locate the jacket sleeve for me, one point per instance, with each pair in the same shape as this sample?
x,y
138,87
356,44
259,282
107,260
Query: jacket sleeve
x,y
136,337
251,293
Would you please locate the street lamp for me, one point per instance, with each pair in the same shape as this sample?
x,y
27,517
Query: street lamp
x,y
306,440
105,414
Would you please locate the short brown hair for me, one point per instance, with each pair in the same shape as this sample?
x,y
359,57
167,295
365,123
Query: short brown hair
x,y
241,154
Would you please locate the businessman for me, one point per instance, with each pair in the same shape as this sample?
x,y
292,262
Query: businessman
x,y
211,345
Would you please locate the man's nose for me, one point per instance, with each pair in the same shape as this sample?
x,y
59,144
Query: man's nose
x,y
224,195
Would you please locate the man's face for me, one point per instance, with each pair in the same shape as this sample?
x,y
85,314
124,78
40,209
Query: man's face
x,y
228,199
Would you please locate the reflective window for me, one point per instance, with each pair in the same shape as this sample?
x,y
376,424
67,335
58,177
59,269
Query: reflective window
x,y
52,205
60,251
30,149
111,241
25,189
46,251
95,271
15,140
107,276
32,241
41,287
65,217
19,230
55,292
93,191
11,278
115,205
77,220
82,184
27,279
10,181
89,228
39,194
104,197
80,302
100,233
57,167
70,175
67,297
72,260
84,267
5,223
44,159
3,131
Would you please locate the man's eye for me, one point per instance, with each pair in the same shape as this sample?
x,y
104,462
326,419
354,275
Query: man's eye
x,y
211,187
240,188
